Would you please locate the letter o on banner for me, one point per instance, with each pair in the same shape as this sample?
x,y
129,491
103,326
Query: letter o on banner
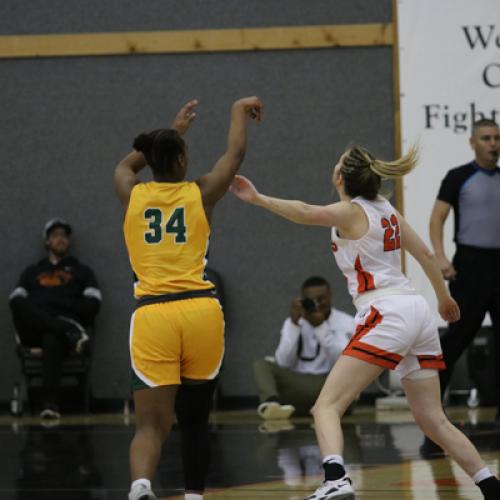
x,y
491,75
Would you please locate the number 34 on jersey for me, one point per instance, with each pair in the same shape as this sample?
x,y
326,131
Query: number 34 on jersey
x,y
175,225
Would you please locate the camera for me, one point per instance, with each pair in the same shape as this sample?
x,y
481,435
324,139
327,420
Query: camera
x,y
309,305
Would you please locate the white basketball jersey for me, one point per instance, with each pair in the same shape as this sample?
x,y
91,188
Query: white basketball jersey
x,y
374,261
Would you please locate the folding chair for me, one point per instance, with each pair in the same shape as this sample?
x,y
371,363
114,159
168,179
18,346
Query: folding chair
x,y
75,371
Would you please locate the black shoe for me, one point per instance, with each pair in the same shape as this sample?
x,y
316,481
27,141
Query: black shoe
x,y
429,449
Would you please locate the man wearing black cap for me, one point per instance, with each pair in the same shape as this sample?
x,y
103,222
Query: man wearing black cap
x,y
53,303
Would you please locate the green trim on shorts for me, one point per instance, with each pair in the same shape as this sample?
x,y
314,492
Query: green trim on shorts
x,y
137,383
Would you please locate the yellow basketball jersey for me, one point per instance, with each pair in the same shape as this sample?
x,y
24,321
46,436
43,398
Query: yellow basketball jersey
x,y
167,233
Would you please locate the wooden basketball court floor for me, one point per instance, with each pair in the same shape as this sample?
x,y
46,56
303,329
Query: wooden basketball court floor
x,y
86,457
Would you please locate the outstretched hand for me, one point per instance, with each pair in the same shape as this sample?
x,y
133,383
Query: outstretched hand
x,y
185,117
244,189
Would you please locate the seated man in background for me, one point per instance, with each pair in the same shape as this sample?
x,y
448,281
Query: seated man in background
x,y
53,304
312,339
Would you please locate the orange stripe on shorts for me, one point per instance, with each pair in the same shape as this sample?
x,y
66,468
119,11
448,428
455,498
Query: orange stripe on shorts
x,y
373,319
431,362
373,355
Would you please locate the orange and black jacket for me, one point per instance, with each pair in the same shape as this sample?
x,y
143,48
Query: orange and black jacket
x,y
67,288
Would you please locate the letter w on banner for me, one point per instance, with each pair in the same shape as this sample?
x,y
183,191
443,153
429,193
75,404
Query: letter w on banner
x,y
449,53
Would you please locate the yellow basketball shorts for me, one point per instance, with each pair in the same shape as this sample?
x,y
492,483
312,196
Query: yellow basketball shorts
x,y
174,340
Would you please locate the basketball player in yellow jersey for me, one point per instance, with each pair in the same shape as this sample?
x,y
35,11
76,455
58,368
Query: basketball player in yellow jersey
x,y
177,329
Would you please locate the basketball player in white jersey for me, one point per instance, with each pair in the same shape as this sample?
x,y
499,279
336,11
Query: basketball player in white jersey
x,y
396,329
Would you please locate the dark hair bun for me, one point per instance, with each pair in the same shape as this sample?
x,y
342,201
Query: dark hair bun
x,y
143,143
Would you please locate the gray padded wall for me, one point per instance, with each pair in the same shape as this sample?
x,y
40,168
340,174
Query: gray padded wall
x,y
66,122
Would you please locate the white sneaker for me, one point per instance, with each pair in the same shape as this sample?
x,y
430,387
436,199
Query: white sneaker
x,y
340,489
141,492
272,410
274,426
50,414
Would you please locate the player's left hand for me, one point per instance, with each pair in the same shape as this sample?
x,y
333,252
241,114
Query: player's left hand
x,y
449,310
185,117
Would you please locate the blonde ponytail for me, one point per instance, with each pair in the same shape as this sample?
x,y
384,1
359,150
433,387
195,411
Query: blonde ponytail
x,y
397,168
363,173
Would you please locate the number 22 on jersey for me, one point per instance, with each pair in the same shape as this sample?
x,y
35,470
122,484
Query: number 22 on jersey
x,y
175,225
392,241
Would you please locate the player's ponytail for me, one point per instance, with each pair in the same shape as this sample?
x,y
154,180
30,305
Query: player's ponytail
x,y
397,168
143,143
161,148
363,173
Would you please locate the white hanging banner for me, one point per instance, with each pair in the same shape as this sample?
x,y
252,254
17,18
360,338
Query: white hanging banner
x,y
449,57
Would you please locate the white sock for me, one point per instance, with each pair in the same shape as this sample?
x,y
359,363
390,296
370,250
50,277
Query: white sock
x,y
481,475
145,482
193,496
333,459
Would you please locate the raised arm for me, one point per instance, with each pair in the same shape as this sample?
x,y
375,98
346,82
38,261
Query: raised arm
x,y
439,215
337,214
215,184
448,308
125,177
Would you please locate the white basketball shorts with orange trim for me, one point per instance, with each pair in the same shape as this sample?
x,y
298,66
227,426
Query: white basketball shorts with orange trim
x,y
398,332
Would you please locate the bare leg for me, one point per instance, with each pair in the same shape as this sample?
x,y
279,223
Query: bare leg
x,y
425,402
349,376
154,409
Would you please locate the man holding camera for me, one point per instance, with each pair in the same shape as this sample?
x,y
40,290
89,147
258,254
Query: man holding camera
x,y
312,339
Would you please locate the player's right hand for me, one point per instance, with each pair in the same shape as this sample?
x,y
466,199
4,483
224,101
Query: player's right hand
x,y
449,310
253,107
